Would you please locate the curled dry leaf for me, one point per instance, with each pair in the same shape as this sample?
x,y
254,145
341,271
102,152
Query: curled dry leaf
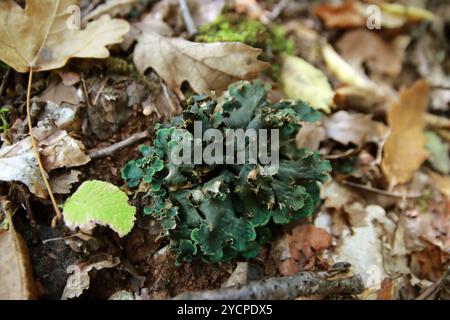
x,y
305,242
206,66
343,71
345,15
16,276
404,150
62,183
356,128
58,150
41,37
79,279
301,80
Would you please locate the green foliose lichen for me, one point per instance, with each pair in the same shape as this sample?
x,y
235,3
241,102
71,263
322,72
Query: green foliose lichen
x,y
220,211
270,38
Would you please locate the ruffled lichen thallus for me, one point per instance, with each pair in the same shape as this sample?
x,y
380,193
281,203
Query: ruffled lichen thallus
x,y
217,212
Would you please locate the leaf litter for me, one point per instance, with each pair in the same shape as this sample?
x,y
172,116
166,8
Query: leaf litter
x,y
384,99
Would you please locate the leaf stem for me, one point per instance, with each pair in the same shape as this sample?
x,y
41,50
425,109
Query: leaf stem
x,y
35,149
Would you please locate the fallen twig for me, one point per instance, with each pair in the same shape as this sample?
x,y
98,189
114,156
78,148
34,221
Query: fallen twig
x,y
187,17
110,150
427,293
278,9
303,284
5,81
382,192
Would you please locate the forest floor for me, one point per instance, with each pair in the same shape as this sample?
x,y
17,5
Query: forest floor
x,y
384,94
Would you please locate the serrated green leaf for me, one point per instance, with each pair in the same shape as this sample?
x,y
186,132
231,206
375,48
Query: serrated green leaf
x,y
98,202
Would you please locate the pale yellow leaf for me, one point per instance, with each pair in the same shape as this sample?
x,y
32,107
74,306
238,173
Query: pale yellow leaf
x,y
206,66
301,80
404,150
409,12
343,71
43,36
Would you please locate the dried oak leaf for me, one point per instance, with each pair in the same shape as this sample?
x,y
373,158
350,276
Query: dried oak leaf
x,y
206,66
404,150
39,37
16,276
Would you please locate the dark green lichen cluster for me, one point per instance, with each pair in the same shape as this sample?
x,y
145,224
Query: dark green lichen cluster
x,y
221,211
268,37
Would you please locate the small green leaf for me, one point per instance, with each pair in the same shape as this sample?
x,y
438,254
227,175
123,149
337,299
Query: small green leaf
x,y
99,202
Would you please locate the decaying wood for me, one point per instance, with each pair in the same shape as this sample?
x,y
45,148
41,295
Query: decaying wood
x,y
16,277
304,284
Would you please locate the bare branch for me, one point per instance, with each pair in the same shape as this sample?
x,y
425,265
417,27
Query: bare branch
x,y
303,284
108,151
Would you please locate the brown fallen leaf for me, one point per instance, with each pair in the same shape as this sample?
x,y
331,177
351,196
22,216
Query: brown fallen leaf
x,y
344,15
362,46
62,183
304,243
206,66
16,276
404,150
386,291
59,93
79,279
310,137
58,150
429,263
356,128
69,78
40,37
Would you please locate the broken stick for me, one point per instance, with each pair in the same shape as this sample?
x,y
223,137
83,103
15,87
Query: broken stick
x,y
110,150
304,284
